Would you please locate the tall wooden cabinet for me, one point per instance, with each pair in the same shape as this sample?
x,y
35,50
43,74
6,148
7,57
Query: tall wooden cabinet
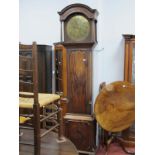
x,y
129,75
44,67
73,64
129,63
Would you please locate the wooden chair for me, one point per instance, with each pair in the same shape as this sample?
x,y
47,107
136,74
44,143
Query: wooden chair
x,y
34,101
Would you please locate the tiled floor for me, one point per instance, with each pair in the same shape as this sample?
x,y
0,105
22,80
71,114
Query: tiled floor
x,y
114,149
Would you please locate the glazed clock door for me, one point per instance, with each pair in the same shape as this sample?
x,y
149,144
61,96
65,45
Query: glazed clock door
x,y
78,81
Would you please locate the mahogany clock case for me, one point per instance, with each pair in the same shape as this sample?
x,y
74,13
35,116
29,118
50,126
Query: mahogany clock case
x,y
73,62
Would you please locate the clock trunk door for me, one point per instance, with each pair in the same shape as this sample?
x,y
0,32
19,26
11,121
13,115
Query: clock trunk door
x,y
79,81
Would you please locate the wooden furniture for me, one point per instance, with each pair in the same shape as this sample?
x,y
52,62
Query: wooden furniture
x,y
115,106
81,129
129,63
129,75
44,67
49,145
74,76
115,110
61,70
73,64
36,101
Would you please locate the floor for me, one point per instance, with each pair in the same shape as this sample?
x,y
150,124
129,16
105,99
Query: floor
x,y
114,149
49,145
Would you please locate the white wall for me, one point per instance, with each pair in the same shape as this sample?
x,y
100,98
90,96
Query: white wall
x,y
39,21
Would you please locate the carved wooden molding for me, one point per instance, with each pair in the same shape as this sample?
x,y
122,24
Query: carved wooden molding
x,y
78,8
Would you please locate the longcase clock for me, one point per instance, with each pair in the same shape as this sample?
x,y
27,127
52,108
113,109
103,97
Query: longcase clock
x,y
73,62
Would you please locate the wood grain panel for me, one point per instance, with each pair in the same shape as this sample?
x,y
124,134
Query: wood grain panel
x,y
80,131
78,81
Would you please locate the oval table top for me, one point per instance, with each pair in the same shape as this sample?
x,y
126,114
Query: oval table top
x,y
115,106
49,145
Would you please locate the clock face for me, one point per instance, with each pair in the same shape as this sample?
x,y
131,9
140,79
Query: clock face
x,y
78,28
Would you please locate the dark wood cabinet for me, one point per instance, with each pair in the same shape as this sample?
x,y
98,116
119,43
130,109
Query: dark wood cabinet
x,y
44,67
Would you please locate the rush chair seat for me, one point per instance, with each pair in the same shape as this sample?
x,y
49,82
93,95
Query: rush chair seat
x,y
31,100
44,100
23,119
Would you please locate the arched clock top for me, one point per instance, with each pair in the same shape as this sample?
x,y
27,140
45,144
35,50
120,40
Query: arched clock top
x,y
78,24
78,9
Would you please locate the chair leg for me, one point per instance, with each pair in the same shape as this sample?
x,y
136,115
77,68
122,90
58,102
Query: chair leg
x,y
44,122
37,141
60,122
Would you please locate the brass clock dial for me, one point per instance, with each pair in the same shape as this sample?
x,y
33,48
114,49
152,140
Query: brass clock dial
x,y
78,28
